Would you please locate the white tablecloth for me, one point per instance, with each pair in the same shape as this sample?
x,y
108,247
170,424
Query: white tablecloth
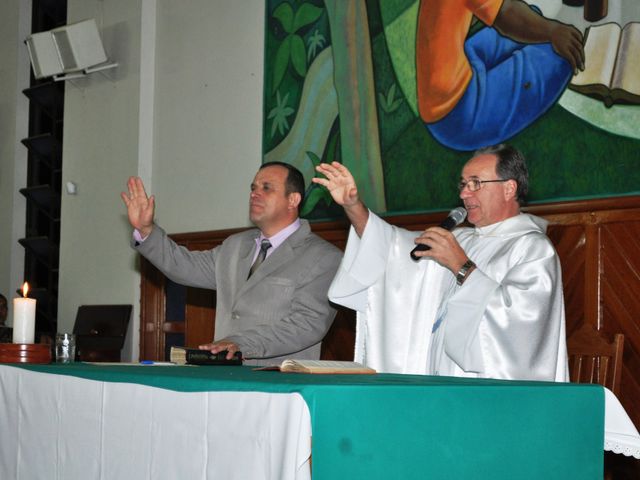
x,y
620,434
65,428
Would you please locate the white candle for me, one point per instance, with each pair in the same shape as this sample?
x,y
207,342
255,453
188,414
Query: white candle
x,y
24,318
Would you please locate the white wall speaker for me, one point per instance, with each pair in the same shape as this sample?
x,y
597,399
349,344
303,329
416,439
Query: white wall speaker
x,y
71,48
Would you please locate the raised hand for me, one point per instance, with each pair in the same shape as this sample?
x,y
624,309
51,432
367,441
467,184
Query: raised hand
x,y
339,182
344,191
140,207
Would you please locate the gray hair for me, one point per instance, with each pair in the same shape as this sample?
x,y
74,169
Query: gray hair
x,y
511,165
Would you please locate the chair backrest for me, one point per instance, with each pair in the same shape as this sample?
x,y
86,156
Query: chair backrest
x,y
594,359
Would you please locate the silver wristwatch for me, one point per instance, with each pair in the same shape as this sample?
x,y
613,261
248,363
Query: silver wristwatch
x,y
464,270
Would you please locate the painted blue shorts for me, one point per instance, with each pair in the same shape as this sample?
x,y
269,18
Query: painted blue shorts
x,y
512,85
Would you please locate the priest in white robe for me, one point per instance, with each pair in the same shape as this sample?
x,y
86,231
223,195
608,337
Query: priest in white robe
x,y
480,302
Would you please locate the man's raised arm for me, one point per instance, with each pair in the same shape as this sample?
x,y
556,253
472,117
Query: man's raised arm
x,y
519,22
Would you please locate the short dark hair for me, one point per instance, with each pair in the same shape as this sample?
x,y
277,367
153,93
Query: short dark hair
x,y
511,165
295,180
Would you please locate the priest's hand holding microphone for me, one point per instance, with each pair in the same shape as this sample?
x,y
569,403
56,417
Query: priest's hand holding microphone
x,y
440,243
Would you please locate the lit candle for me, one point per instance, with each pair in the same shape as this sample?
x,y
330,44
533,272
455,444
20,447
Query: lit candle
x,y
24,317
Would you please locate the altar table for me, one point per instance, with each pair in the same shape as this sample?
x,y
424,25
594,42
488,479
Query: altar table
x,y
125,421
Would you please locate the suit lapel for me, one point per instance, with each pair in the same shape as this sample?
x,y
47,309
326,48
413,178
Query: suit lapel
x,y
247,250
281,256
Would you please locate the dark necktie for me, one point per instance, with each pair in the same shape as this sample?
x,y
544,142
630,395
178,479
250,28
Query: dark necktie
x,y
264,246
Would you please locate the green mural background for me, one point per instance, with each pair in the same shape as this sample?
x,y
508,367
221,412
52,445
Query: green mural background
x,y
320,105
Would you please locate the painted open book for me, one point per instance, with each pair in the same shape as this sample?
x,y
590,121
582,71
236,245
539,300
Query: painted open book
x,y
612,68
320,366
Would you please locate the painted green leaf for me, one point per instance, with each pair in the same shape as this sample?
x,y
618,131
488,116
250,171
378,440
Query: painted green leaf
x,y
315,42
298,55
391,94
311,200
383,102
284,13
388,102
305,15
281,62
315,159
394,106
279,114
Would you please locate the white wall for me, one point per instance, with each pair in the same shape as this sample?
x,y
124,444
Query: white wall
x,y
100,148
15,24
208,111
184,112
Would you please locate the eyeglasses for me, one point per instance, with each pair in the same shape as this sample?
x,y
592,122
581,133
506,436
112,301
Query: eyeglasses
x,y
475,183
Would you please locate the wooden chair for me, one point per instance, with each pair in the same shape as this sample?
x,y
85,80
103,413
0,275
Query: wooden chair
x,y
593,359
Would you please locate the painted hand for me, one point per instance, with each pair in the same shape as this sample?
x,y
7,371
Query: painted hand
x,y
566,41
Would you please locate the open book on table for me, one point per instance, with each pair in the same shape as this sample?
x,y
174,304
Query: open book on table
x,y
612,64
320,366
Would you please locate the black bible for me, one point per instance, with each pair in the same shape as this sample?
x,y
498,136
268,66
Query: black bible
x,y
195,356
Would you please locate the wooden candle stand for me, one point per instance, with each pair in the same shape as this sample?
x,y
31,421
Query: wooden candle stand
x,y
25,353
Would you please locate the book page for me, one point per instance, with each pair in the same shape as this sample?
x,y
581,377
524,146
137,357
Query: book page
x,y
600,51
178,355
322,363
627,72
327,366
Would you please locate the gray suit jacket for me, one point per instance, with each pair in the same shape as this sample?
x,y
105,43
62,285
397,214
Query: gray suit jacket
x,y
282,311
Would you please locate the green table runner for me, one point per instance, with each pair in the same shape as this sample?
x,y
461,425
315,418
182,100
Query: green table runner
x,y
413,426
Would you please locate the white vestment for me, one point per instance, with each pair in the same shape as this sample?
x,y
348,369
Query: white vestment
x,y
506,320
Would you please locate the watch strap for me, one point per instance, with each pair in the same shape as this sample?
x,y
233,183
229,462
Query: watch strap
x,y
464,271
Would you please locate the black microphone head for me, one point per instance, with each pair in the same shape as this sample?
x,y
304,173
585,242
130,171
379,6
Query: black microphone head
x,y
455,218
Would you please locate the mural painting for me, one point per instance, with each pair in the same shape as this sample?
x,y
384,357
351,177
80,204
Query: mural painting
x,y
401,91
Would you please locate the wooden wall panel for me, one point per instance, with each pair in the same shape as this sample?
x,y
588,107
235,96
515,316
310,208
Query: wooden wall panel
x,y
598,242
620,300
570,245
152,312
199,317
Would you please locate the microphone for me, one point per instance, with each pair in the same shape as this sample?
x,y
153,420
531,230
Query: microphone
x,y
455,218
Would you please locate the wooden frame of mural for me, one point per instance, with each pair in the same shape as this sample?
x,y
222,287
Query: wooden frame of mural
x,y
341,84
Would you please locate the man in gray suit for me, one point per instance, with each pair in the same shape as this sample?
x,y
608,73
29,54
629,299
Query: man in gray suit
x,y
279,310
